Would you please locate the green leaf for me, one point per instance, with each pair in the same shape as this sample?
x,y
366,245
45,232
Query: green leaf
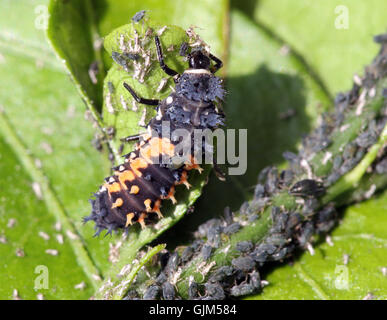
x,y
73,35
48,139
320,33
353,267
27,231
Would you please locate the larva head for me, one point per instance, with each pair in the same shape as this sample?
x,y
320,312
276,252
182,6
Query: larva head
x,y
199,60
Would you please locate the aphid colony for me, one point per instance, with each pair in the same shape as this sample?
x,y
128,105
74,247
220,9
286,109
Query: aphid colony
x,y
135,191
236,271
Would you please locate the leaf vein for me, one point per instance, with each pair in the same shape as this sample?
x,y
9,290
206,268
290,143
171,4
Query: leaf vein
x,y
50,197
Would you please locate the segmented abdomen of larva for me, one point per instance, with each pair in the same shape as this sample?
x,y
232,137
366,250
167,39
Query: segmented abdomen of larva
x,y
138,186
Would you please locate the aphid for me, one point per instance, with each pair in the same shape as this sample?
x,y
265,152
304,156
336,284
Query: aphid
x,y
252,217
214,291
221,273
279,219
172,263
228,215
242,289
290,156
380,38
271,180
366,139
206,251
138,16
213,236
232,228
151,293
183,49
310,206
245,288
192,290
279,255
161,278
286,178
205,227
136,190
259,191
381,167
243,263
244,209
187,254
257,205
276,239
306,233
168,291
307,188
120,60
326,219
244,246
131,56
93,72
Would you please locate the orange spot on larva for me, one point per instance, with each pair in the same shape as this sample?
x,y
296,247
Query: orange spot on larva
x,y
134,189
183,180
124,176
129,218
137,164
141,220
156,209
156,147
171,195
114,187
118,203
147,204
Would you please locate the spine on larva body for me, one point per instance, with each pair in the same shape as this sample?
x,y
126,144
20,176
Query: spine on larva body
x,y
343,160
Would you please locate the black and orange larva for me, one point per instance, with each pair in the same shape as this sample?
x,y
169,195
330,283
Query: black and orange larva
x,y
138,186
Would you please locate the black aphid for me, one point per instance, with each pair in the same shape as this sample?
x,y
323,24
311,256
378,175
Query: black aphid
x,y
221,273
187,254
183,51
120,60
131,56
152,293
138,16
248,287
193,290
172,263
213,236
307,188
244,246
206,251
168,291
161,278
243,263
214,291
228,215
232,228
